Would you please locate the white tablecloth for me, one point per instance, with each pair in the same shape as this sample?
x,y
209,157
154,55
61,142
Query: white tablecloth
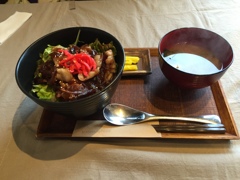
x,y
136,23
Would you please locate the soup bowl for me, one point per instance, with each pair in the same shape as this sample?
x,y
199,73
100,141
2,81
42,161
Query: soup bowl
x,y
85,106
194,58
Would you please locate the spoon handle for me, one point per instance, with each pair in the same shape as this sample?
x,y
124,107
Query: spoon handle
x,y
206,119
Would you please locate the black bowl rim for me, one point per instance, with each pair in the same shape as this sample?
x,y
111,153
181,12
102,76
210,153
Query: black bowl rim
x,y
201,75
77,100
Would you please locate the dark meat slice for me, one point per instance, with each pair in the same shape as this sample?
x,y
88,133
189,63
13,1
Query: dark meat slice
x,y
73,91
47,71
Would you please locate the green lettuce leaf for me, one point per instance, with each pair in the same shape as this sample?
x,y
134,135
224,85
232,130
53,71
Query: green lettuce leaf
x,y
45,56
44,92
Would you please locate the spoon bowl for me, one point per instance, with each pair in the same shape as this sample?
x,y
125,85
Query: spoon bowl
x,y
119,114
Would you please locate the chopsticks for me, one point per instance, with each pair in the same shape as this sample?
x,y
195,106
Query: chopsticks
x,y
190,128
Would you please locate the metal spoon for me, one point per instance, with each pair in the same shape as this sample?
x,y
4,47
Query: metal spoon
x,y
119,114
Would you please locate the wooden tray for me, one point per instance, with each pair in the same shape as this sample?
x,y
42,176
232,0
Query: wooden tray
x,y
154,94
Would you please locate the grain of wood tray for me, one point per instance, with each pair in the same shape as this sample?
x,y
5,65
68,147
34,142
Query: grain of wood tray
x,y
154,94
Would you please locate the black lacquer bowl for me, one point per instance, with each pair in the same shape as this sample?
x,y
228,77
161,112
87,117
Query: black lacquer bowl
x,y
26,67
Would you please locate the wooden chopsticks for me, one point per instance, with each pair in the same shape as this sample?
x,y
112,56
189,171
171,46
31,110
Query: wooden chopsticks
x,y
190,128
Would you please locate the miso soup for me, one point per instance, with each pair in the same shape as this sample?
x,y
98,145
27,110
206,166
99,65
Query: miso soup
x,y
192,59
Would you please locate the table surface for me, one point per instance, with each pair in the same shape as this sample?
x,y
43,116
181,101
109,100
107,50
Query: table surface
x,y
136,23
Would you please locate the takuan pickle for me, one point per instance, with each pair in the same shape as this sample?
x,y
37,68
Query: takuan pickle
x,y
131,63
